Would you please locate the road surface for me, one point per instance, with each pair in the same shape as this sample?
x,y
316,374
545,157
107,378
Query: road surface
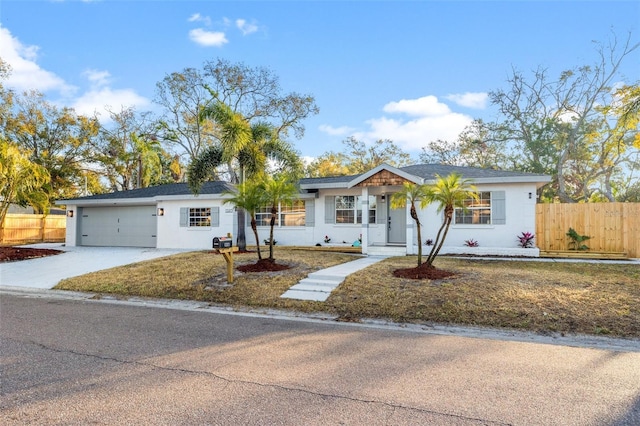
x,y
80,361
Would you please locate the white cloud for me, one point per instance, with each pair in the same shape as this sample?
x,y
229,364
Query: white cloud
x,y
26,74
196,17
470,100
208,38
425,106
335,131
412,135
246,27
97,100
98,78
101,96
428,120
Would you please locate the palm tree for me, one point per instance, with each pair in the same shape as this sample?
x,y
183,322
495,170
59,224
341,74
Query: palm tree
x,y
413,194
278,191
450,193
249,146
250,196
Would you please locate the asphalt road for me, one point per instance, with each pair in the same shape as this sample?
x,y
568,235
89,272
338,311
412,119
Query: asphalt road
x,y
72,362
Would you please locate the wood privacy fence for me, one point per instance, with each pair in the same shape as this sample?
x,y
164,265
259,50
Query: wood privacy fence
x,y
32,228
613,227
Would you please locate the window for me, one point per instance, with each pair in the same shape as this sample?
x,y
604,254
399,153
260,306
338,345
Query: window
x,y
263,216
199,217
349,209
293,215
475,212
345,209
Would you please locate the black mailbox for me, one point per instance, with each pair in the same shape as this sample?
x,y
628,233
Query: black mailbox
x,y
222,242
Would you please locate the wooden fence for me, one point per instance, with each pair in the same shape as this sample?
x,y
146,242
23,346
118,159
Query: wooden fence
x,y
33,228
613,227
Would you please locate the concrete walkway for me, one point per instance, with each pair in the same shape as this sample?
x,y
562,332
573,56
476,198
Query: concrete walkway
x,y
319,285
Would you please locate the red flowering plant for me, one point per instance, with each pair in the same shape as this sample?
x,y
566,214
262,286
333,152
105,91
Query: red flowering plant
x,y
525,240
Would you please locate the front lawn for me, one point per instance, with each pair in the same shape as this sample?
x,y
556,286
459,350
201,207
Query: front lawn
x,y
537,296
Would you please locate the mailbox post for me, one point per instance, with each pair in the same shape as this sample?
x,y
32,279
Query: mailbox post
x,y
224,246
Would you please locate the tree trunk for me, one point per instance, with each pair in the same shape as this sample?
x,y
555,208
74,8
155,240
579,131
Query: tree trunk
x,y
433,256
242,237
254,227
272,224
416,219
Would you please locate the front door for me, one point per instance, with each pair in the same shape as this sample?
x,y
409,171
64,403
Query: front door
x,y
396,225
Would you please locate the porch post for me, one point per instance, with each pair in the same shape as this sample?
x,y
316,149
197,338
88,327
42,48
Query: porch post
x,y
411,231
365,219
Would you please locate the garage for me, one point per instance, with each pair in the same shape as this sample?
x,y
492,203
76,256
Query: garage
x,y
131,226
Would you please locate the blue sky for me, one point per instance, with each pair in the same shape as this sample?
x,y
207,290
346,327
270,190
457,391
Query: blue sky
x,y
409,71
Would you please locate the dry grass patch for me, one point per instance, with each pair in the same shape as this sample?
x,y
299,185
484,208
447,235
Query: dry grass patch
x,y
202,276
543,297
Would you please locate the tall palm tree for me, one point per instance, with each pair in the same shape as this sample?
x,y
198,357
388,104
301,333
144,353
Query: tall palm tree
x,y
249,146
413,194
250,196
450,193
278,191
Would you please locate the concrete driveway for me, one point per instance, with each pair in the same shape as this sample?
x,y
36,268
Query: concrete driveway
x,y
46,272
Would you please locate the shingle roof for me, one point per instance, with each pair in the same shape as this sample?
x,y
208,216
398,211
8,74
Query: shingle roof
x,y
429,172
155,191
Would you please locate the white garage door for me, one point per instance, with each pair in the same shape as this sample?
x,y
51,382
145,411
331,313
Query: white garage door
x,y
118,226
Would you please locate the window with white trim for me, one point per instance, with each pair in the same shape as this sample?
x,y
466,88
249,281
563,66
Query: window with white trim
x,y
349,209
475,211
199,216
287,215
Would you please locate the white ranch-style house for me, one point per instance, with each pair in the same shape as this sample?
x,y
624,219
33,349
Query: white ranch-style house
x,y
344,210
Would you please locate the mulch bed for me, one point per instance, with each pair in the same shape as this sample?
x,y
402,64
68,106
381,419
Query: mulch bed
x,y
422,272
263,265
14,254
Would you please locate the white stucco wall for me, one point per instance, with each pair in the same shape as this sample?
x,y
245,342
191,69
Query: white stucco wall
x,y
72,225
172,235
519,208
520,217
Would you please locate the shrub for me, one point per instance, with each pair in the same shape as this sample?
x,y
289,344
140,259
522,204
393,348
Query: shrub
x,y
471,243
577,240
526,240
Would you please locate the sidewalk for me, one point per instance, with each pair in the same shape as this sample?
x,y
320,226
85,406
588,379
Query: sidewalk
x,y
319,285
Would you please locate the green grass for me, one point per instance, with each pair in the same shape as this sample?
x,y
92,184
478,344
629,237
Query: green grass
x,y
543,297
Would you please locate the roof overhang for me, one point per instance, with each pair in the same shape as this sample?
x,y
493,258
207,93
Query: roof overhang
x,y
326,185
112,202
539,180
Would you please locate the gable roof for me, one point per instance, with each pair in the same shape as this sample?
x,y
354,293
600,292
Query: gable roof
x,y
426,173
385,167
153,193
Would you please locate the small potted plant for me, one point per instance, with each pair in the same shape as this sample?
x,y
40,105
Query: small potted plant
x,y
327,240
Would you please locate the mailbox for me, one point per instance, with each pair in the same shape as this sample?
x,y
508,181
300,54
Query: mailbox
x,y
222,242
